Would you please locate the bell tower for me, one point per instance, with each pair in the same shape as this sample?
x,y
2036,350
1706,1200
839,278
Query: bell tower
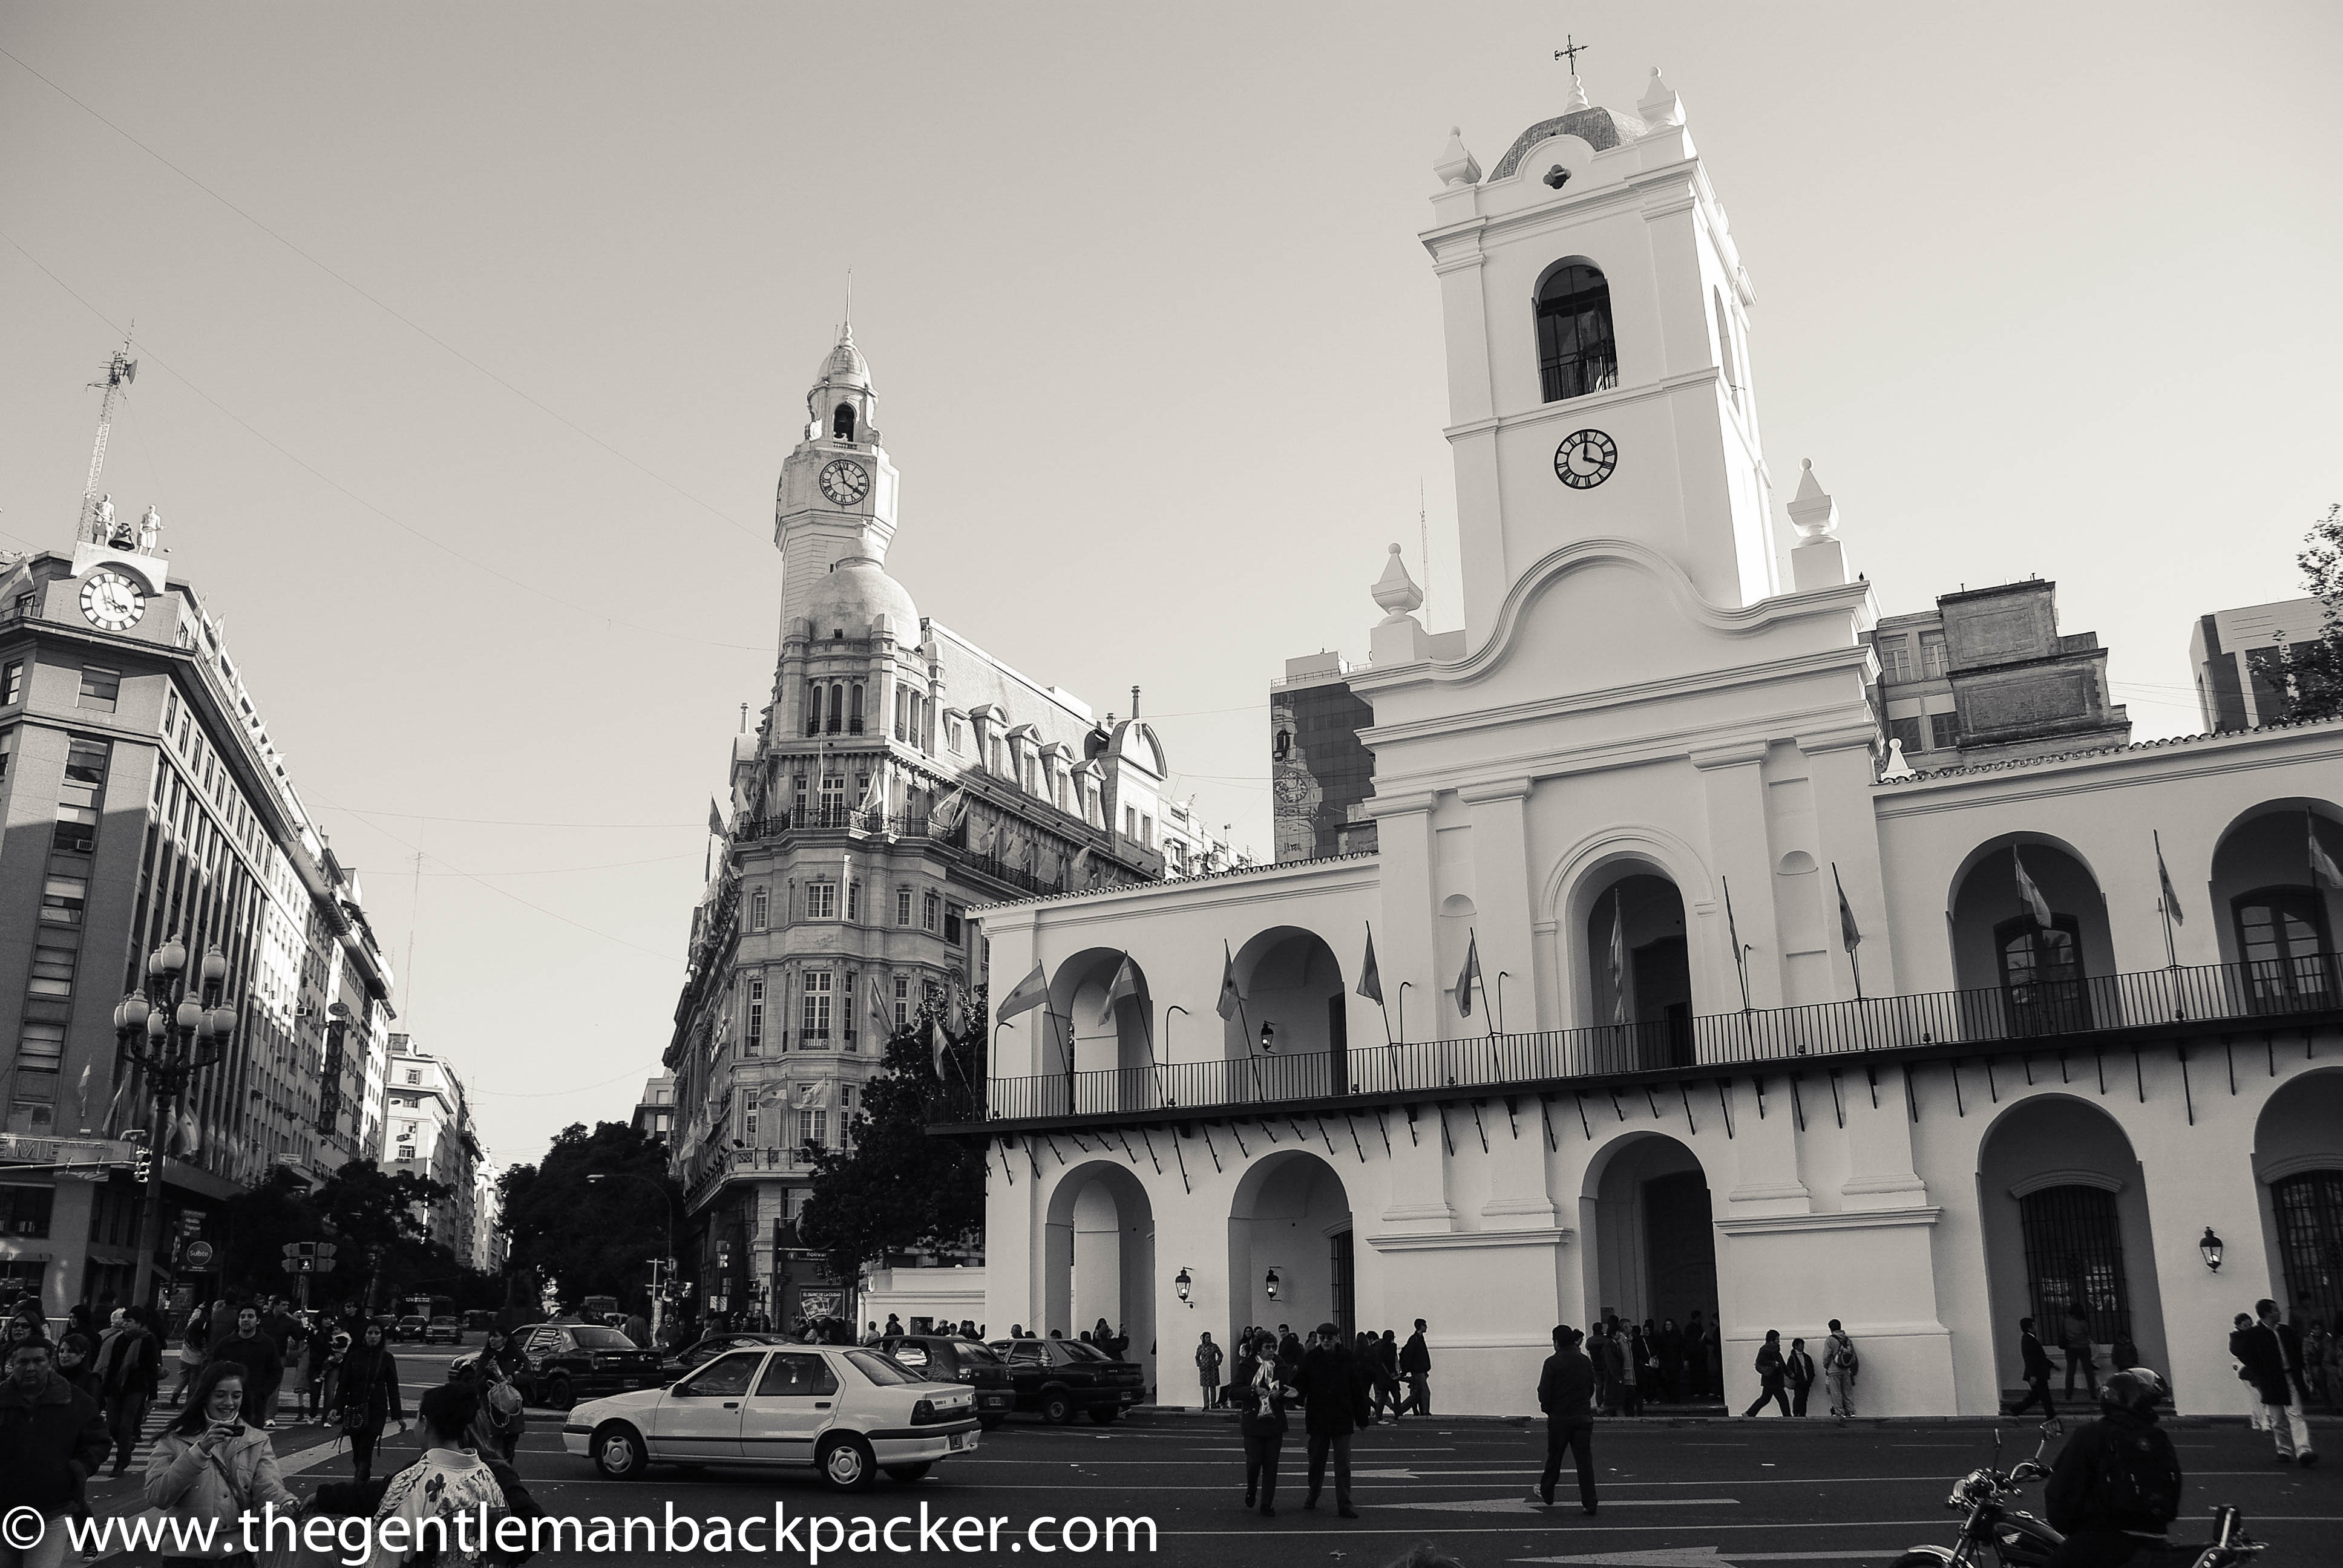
x,y
1596,317
838,490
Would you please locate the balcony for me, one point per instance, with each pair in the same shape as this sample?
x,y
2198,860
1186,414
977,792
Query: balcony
x,y
2096,1010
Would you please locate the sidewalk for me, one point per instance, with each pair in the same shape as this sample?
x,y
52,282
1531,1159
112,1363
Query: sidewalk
x,y
1714,1415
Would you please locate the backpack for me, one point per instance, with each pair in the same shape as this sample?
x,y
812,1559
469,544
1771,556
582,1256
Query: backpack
x,y
1848,1360
2131,1483
505,1406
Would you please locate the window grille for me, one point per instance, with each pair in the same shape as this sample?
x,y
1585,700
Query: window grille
x,y
2073,1254
1576,351
2309,1209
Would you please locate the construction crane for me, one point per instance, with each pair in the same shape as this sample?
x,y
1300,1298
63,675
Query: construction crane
x,y
97,510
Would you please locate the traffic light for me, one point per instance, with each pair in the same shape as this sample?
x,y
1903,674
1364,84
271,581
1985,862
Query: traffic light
x,y
141,1165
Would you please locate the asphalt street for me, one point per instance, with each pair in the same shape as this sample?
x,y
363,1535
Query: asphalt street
x,y
1675,1495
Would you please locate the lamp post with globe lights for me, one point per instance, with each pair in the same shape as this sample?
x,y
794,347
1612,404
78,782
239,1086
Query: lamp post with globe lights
x,y
172,1030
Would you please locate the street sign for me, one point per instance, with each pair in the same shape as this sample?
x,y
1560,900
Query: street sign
x,y
198,1254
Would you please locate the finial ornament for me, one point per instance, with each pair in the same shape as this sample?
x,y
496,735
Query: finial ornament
x,y
1457,166
1659,106
1896,767
1395,592
1812,510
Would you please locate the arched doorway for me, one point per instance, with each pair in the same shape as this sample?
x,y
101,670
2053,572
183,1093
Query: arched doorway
x,y
2065,1223
1100,1032
2024,976
1639,971
1099,1258
1291,1216
2298,1165
2277,918
1651,1249
1292,987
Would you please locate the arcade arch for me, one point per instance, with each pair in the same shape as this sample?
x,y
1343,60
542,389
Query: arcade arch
x,y
1638,966
1292,987
1099,1258
2299,1166
1090,1028
1651,1249
2273,913
2064,1213
1292,1213
2025,978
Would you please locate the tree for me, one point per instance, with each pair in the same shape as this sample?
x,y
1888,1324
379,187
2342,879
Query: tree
x,y
896,1187
2314,671
592,1238
260,1221
373,1215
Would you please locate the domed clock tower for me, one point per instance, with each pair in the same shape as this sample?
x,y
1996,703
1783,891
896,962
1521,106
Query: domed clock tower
x,y
838,490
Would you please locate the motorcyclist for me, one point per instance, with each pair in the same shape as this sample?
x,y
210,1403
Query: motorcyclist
x,y
2117,1483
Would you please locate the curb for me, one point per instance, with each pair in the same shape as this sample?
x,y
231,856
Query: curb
x,y
1188,1415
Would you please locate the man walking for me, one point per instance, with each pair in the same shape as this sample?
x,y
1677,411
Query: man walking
x,y
1415,1365
1333,1408
51,1439
1801,1369
256,1353
2037,1371
1566,1394
2271,1353
1770,1369
1387,1375
1208,1370
2075,1338
1840,1364
130,1371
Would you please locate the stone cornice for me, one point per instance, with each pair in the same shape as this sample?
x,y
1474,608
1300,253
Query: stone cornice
x,y
2049,777
1447,1240
1495,790
1843,1220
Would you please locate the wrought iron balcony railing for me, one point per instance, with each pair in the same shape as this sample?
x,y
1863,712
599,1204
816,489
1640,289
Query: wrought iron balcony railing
x,y
2041,1015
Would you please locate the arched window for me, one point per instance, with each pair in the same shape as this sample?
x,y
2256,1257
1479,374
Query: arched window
x,y
2042,975
2282,941
2309,1209
837,706
1576,352
854,713
841,424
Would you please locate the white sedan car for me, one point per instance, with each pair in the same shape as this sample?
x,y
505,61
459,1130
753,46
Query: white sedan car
x,y
849,1413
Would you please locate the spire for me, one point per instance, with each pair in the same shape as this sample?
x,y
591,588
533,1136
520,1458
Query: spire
x,y
1398,637
845,323
1818,559
1577,96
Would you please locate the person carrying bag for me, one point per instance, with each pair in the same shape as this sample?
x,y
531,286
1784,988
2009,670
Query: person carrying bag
x,y
1264,1423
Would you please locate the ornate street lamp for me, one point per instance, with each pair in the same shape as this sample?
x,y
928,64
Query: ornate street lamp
x,y
2211,1250
171,1032
1272,1283
1184,1284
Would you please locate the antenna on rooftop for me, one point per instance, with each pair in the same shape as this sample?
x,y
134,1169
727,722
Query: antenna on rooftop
x,y
1424,547
120,372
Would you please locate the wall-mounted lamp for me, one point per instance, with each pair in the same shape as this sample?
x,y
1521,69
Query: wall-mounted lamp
x,y
2209,1249
1268,1038
1272,1283
1182,1284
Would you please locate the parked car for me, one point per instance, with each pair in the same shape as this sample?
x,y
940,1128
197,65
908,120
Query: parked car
x,y
564,1362
701,1351
849,1413
943,1358
444,1330
1058,1377
407,1328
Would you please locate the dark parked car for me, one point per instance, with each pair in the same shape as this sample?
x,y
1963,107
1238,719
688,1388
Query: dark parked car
x,y
1058,1377
562,1364
699,1352
944,1358
444,1330
410,1329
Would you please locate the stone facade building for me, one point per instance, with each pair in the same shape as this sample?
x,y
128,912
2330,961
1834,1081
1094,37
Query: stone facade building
x,y
899,775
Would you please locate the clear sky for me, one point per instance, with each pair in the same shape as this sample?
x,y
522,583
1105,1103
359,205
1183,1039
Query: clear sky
x,y
473,338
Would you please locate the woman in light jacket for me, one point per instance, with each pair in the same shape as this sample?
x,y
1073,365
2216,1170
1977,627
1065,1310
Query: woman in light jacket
x,y
211,1465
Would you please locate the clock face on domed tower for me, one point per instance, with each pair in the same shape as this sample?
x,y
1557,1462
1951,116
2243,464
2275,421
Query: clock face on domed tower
x,y
845,481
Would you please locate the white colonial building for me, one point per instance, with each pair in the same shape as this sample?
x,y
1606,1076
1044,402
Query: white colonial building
x,y
1649,785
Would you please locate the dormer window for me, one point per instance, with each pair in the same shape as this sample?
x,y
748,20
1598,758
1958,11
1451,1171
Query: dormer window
x,y
841,423
1576,352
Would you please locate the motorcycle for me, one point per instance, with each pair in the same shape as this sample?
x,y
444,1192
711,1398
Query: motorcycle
x,y
1996,1535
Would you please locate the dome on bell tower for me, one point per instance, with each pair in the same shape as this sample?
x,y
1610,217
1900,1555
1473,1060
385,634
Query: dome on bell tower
x,y
841,406
854,595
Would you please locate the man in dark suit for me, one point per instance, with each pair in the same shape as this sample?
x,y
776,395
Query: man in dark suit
x,y
1335,1406
2038,1371
1415,1365
2271,1353
1566,1394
